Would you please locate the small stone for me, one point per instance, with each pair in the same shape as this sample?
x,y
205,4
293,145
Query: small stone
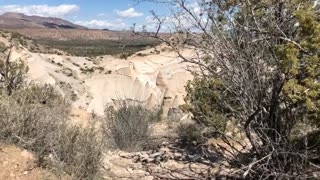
x,y
150,152
110,153
229,134
225,163
129,169
107,166
166,157
177,156
147,160
164,150
164,144
136,159
125,155
27,155
144,156
25,173
137,154
315,175
155,155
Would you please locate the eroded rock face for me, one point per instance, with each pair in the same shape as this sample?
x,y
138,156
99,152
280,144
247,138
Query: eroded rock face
x,y
153,79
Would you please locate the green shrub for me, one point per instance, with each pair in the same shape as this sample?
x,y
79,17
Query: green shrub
x,y
201,100
36,118
12,73
128,125
100,47
124,56
190,134
141,54
30,118
3,47
79,151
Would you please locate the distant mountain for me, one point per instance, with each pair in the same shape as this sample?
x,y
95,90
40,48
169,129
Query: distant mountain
x,y
18,20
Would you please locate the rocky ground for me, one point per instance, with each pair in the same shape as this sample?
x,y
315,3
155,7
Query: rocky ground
x,y
166,160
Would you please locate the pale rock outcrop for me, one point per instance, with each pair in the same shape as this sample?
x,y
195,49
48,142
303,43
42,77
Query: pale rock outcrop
x,y
154,79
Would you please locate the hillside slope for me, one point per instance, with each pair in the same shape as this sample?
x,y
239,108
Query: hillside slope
x,y
17,20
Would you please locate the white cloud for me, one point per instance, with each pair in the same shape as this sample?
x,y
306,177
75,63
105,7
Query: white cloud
x,y
103,15
195,8
129,13
150,19
42,10
150,24
174,23
97,24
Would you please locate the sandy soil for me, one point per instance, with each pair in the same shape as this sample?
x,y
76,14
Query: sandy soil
x,y
18,164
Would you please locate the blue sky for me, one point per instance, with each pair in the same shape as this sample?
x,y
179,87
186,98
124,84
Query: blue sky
x,y
111,14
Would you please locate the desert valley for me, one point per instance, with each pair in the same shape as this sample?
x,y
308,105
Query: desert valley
x,y
153,89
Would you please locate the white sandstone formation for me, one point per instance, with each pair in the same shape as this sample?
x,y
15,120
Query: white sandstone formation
x,y
154,79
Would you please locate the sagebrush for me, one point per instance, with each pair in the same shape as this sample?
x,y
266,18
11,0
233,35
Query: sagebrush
x,y
36,118
128,125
